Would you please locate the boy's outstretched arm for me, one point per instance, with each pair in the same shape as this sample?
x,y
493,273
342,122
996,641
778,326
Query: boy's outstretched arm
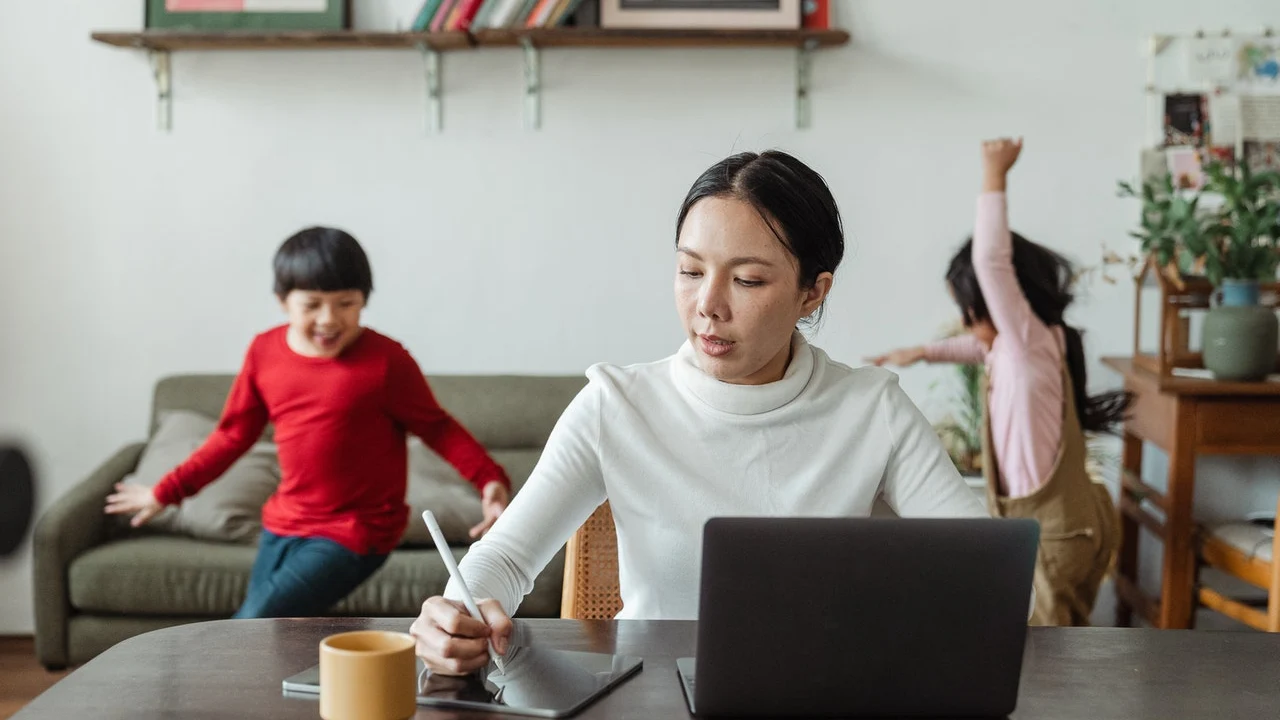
x,y
411,402
244,416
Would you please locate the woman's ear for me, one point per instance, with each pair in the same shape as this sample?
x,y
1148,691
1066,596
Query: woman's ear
x,y
815,295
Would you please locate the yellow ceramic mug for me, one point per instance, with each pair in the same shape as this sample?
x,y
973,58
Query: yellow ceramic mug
x,y
368,675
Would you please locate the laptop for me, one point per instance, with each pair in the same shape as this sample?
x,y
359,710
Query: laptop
x,y
865,617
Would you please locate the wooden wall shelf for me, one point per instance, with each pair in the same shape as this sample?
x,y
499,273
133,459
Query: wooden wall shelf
x,y
160,43
172,40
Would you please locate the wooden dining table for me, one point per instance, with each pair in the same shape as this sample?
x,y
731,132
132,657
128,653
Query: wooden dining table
x,y
234,669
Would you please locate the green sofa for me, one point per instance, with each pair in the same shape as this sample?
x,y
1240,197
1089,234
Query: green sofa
x,y
97,583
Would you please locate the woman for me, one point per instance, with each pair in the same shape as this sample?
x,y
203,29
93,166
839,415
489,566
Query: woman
x,y
747,418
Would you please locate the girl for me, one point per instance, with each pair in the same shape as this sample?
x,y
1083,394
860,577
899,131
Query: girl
x,y
747,418
1012,295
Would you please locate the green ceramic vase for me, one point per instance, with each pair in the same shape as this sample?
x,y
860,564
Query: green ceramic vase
x,y
1240,336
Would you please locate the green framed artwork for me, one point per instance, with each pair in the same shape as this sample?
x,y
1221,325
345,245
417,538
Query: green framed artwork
x,y
207,15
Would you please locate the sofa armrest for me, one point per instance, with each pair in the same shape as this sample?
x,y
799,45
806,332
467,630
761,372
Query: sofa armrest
x,y
73,524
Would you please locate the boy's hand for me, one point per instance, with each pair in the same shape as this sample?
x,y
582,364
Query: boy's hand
x,y
998,156
904,357
493,500
133,499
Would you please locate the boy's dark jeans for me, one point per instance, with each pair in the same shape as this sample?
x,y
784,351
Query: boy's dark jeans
x,y
301,577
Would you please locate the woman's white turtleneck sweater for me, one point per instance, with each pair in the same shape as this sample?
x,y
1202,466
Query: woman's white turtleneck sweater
x,y
670,447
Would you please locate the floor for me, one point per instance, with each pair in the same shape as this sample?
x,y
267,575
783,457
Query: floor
x,y
24,678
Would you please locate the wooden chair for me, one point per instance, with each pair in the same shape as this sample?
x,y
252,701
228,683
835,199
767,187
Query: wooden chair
x,y
1248,552
591,570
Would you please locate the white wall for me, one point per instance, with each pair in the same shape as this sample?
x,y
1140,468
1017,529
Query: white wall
x,y
126,254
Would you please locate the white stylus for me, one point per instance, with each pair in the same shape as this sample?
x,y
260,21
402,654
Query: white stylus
x,y
442,545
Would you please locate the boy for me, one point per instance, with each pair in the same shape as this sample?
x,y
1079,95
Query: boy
x,y
341,397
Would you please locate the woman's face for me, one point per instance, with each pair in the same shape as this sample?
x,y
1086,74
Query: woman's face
x,y
738,292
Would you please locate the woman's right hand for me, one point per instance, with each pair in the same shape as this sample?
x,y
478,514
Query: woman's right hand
x,y
902,357
451,642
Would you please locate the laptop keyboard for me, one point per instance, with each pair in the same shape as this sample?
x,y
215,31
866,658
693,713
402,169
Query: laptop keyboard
x,y
688,675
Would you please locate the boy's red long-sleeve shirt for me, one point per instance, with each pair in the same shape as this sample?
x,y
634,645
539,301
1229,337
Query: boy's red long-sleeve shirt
x,y
340,427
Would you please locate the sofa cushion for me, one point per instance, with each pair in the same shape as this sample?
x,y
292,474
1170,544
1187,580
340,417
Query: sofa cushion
x,y
436,486
1254,541
161,575
180,576
230,508
519,464
507,412
201,394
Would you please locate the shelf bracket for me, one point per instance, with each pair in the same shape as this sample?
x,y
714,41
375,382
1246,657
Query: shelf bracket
x,y
435,102
532,85
804,72
162,69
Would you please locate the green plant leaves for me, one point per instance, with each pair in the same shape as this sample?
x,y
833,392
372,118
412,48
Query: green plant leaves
x,y
1238,238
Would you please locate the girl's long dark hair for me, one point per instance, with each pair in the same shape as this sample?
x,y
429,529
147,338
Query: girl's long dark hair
x,y
1045,278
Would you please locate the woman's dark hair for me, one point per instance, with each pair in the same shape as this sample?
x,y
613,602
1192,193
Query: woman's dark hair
x,y
792,199
1045,278
323,259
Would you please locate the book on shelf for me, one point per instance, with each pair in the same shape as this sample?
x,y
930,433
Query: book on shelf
x,y
438,15
463,14
815,14
423,21
482,16
442,14
475,15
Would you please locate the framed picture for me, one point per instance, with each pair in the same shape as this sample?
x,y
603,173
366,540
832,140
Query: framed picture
x,y
249,14
702,14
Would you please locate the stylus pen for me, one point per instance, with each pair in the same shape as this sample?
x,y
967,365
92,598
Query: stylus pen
x,y
442,545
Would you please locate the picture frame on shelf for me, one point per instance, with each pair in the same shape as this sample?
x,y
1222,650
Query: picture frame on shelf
x,y
222,15
702,14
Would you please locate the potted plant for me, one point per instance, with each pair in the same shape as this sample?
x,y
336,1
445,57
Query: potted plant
x,y
1228,233
961,429
1240,250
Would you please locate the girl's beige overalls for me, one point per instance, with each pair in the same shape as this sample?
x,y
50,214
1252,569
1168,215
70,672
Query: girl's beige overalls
x,y
1078,523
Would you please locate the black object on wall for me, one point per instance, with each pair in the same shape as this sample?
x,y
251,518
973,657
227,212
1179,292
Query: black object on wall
x,y
17,499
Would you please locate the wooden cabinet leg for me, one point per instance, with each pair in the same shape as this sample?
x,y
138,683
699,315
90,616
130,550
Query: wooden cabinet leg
x,y
1178,581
